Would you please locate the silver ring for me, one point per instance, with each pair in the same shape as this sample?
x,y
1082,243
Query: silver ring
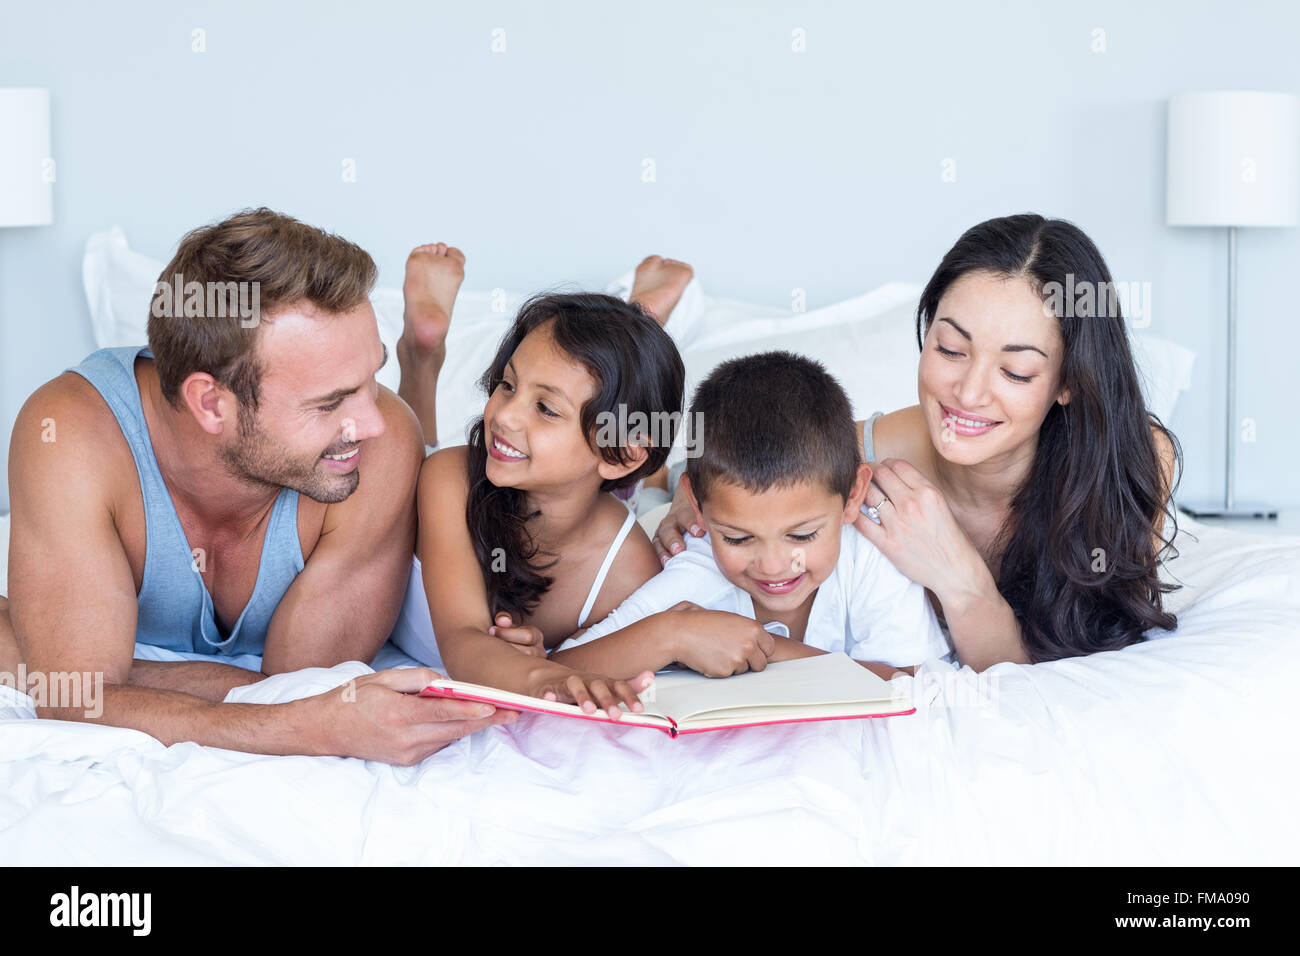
x,y
873,511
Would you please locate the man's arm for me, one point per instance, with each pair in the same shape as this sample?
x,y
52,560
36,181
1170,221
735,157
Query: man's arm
x,y
72,606
344,603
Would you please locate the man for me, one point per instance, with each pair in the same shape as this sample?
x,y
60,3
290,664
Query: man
x,y
244,487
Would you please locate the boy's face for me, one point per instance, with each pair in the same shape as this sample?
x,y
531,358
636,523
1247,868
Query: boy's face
x,y
779,545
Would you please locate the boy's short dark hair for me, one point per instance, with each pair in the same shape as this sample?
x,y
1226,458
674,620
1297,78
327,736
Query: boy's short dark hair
x,y
773,419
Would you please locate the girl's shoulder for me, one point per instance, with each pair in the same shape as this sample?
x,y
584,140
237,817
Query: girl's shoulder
x,y
445,474
635,561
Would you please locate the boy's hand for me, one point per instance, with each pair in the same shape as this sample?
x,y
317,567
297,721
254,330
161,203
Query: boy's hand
x,y
719,643
525,638
591,692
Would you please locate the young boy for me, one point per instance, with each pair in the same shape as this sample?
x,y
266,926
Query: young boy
x,y
781,572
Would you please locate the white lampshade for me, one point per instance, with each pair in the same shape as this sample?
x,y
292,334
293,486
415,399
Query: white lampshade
x,y
26,180
1234,159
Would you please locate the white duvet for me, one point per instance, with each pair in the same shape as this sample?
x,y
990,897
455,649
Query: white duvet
x,y
1178,751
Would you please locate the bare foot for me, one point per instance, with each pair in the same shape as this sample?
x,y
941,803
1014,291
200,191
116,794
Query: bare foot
x,y
434,273
658,284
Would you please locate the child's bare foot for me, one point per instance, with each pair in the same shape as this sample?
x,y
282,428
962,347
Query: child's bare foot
x,y
658,284
434,273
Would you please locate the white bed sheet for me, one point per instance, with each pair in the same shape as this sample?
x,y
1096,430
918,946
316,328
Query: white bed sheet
x,y
1178,751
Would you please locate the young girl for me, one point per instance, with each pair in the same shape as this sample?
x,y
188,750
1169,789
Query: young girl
x,y
520,542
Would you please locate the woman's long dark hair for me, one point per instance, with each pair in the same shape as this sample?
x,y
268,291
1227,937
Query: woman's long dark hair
x,y
637,369
1096,480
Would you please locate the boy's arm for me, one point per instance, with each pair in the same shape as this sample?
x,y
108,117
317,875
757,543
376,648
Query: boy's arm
x,y
713,643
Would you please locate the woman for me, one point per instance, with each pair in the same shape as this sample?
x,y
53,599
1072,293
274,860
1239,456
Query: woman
x,y
1027,489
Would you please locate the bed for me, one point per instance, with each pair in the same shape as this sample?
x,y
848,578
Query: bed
x,y
1180,750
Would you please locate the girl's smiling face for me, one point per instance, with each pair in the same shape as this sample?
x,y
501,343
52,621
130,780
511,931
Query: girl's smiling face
x,y
532,423
990,368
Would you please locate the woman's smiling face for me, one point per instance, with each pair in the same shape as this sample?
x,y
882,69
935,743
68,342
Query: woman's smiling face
x,y
990,368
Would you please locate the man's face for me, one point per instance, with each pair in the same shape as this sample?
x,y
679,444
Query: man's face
x,y
316,403
778,545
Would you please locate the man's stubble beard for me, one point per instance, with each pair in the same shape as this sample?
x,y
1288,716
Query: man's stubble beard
x,y
257,458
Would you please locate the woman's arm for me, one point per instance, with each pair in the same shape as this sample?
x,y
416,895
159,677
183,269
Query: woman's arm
x,y
458,603
920,536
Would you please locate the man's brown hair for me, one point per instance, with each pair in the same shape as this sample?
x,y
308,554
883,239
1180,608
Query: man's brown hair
x,y
290,261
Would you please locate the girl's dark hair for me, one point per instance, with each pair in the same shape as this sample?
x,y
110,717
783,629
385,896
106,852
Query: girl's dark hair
x,y
638,372
1078,566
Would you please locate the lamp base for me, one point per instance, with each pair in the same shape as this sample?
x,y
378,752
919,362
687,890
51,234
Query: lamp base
x,y
1248,510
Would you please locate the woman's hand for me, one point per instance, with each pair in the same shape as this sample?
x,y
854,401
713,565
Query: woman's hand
x,y
668,539
918,533
525,638
591,692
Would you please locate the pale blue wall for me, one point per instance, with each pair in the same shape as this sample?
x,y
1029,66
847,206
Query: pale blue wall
x,y
775,170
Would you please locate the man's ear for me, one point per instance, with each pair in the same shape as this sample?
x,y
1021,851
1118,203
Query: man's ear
x,y
685,484
211,403
857,494
634,451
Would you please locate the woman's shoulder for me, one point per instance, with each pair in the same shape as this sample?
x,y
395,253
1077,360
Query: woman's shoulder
x,y
903,434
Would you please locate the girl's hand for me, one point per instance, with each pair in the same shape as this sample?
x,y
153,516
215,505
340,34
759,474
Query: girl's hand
x,y
680,519
525,638
592,692
917,531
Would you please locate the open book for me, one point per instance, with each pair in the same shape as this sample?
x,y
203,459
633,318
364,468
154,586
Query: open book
x,y
826,687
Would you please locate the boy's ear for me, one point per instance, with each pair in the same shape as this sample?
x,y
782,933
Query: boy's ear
x,y
635,452
858,493
685,484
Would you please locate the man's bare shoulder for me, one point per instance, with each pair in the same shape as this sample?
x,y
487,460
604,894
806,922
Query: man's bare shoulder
x,y
66,426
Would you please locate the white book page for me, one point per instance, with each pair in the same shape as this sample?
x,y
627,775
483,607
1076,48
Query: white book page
x,y
809,682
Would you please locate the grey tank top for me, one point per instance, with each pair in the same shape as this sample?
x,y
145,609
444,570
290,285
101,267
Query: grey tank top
x,y
175,610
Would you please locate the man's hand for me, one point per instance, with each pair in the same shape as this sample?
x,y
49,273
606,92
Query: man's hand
x,y
381,717
719,643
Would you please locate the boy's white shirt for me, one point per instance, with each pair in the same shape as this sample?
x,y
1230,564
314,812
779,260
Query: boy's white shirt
x,y
866,608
